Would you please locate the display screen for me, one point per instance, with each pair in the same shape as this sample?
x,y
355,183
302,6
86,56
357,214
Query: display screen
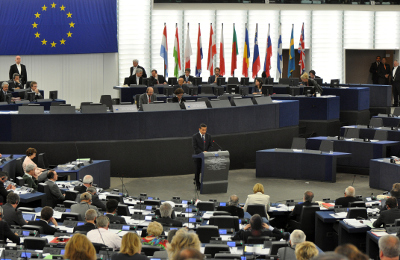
x,y
192,220
222,231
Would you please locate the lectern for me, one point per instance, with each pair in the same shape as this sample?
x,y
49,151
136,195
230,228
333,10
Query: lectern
x,y
214,171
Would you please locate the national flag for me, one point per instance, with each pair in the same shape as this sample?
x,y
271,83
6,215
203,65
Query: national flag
x,y
302,51
212,51
256,56
164,50
221,53
246,54
199,54
291,65
235,52
177,53
267,63
188,50
279,55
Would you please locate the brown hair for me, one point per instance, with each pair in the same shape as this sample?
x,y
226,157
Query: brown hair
x,y
79,247
130,244
30,151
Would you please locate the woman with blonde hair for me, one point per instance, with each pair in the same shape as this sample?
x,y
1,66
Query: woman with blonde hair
x,y
79,248
311,83
154,231
183,239
258,198
305,251
130,248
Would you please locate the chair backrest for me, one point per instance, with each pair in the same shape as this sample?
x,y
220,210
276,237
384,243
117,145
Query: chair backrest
x,y
225,222
357,213
70,216
212,249
357,204
152,202
34,227
397,222
326,146
35,243
207,89
206,206
307,221
376,122
257,240
71,195
257,209
84,232
299,143
396,111
69,203
221,212
149,250
42,161
233,80
19,171
44,188
381,135
351,132
106,100
227,256
20,181
85,104
205,233
276,245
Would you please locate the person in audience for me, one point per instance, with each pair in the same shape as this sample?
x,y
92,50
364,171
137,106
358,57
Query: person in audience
x,y
111,208
179,97
258,198
11,214
180,84
214,78
287,252
201,142
257,228
187,78
298,208
183,239
384,72
46,217
130,248
374,70
154,230
95,199
4,190
30,177
34,88
395,192
350,251
135,67
258,82
4,91
55,196
395,78
30,154
189,253
137,78
349,196
102,235
389,247
5,231
312,75
15,83
87,182
305,251
147,98
18,68
90,217
79,247
164,253
85,204
156,79
310,82
233,207
165,212
390,215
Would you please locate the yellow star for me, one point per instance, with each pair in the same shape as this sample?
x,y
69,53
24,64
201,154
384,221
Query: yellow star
x,y
62,42
44,42
37,34
53,5
69,15
37,15
44,8
69,34
53,44
71,24
62,8
34,25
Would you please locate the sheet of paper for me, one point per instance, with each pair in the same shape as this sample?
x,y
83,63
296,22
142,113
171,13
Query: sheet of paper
x,y
225,237
339,215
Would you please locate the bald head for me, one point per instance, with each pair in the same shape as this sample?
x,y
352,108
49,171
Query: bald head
x,y
350,192
18,59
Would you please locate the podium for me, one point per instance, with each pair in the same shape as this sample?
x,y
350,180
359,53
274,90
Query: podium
x,y
214,171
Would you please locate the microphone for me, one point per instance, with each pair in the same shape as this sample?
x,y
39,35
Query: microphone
x,y
220,148
353,180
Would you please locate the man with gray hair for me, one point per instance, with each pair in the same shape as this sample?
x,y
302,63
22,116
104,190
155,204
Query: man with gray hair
x,y
287,253
389,247
307,201
233,207
395,75
349,196
135,67
86,183
166,213
6,232
12,215
4,91
84,205
103,236
90,217
137,78
30,177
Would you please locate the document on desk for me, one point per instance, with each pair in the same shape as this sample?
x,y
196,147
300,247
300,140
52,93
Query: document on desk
x,y
339,215
189,225
225,237
379,233
259,250
357,223
208,214
67,229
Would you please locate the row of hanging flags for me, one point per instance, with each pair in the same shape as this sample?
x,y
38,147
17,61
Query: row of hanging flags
x,y
212,52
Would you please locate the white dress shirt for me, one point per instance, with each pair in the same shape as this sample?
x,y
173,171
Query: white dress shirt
x,y
19,68
104,236
394,72
134,71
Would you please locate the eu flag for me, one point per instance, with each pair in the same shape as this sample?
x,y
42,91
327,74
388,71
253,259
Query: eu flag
x,y
58,27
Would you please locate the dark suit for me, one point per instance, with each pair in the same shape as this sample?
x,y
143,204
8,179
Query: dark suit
x,y
32,182
98,203
374,71
117,219
395,85
211,79
23,74
5,232
81,189
298,208
139,67
159,80
169,222
191,78
12,85
55,196
200,146
244,234
37,95
47,229
3,97
133,80
87,227
383,70
143,99
317,87
3,193
344,201
235,211
175,100
387,217
13,216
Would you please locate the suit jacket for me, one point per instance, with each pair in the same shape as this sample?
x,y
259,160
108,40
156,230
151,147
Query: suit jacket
x,y
5,232
81,189
132,80
387,217
47,229
257,198
12,85
3,96
113,218
175,100
374,70
23,74
169,221
143,100
86,227
160,80
81,208
32,182
235,211
298,208
199,145
395,79
191,78
382,72
314,83
139,67
211,79
37,95
287,253
13,216
244,234
344,201
3,193
98,203
55,195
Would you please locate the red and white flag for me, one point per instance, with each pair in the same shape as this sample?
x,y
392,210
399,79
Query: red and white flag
x,y
212,51
221,53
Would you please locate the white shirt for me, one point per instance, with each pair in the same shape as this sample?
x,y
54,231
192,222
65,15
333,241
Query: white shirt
x,y
103,236
19,68
394,71
134,70
202,136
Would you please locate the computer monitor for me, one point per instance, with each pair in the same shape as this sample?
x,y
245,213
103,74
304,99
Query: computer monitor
x,y
293,82
168,91
172,81
146,81
308,91
118,198
319,81
53,94
233,80
335,83
31,96
244,81
219,91
220,81
196,81
232,88
193,91
267,90
268,81
244,91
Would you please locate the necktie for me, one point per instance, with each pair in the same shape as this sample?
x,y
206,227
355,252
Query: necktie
x,y
187,79
384,66
149,99
204,142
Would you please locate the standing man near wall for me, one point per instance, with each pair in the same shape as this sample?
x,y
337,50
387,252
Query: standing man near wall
x,y
396,83
374,70
20,69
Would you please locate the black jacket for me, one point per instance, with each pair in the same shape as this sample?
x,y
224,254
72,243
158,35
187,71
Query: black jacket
x,y
169,222
244,234
47,229
344,201
113,218
87,227
387,217
199,145
13,216
298,208
5,232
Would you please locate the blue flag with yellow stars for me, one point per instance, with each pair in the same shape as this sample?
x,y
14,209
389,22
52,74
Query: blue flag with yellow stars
x,y
58,26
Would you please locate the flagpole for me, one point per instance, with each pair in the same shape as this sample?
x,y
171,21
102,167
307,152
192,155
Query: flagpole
x,y
233,73
165,67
